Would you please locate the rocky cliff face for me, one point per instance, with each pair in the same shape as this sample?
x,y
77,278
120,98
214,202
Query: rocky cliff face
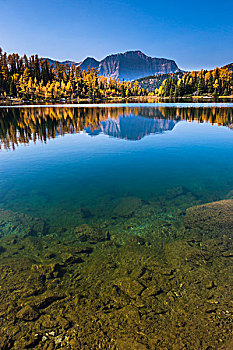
x,y
131,65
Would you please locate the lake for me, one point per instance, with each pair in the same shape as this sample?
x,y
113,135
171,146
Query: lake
x,y
116,226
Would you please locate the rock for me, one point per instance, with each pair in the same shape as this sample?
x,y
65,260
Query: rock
x,y
130,287
212,218
69,258
28,313
87,233
48,322
74,343
47,299
210,285
131,311
20,224
27,341
127,206
151,291
130,344
65,324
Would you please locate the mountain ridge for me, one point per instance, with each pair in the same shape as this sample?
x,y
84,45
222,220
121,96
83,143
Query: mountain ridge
x,y
129,65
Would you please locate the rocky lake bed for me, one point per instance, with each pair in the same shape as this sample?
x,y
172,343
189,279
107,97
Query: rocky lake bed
x,y
116,227
147,277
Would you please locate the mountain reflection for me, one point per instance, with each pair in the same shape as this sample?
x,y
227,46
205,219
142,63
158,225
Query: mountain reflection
x,y
132,128
21,125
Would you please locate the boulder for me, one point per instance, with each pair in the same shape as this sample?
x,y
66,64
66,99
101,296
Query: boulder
x,y
28,313
20,224
129,286
212,219
93,235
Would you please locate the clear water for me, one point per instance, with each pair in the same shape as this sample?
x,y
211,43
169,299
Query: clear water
x,y
72,165
129,153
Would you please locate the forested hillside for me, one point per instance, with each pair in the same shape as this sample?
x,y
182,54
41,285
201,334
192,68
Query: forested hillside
x,y
36,79
153,82
217,82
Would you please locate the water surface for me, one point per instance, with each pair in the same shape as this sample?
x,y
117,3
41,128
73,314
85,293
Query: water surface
x,y
100,194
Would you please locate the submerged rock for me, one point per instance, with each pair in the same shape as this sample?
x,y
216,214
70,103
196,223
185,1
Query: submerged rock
x,y
127,206
28,313
20,224
212,218
129,286
152,291
87,233
129,344
47,321
46,299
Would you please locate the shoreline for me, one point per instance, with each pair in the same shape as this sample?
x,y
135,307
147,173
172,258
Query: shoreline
x,y
128,104
139,99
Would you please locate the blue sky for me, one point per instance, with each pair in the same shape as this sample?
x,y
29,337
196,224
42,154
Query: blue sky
x,y
195,34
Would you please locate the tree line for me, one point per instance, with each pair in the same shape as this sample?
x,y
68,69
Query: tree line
x,y
34,78
217,82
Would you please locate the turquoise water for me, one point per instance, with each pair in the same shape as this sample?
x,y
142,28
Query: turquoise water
x,y
125,155
98,246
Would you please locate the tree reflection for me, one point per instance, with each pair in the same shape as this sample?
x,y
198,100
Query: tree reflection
x,y
22,125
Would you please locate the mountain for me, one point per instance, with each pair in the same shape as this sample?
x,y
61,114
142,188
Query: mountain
x,y
134,64
70,63
130,65
89,61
